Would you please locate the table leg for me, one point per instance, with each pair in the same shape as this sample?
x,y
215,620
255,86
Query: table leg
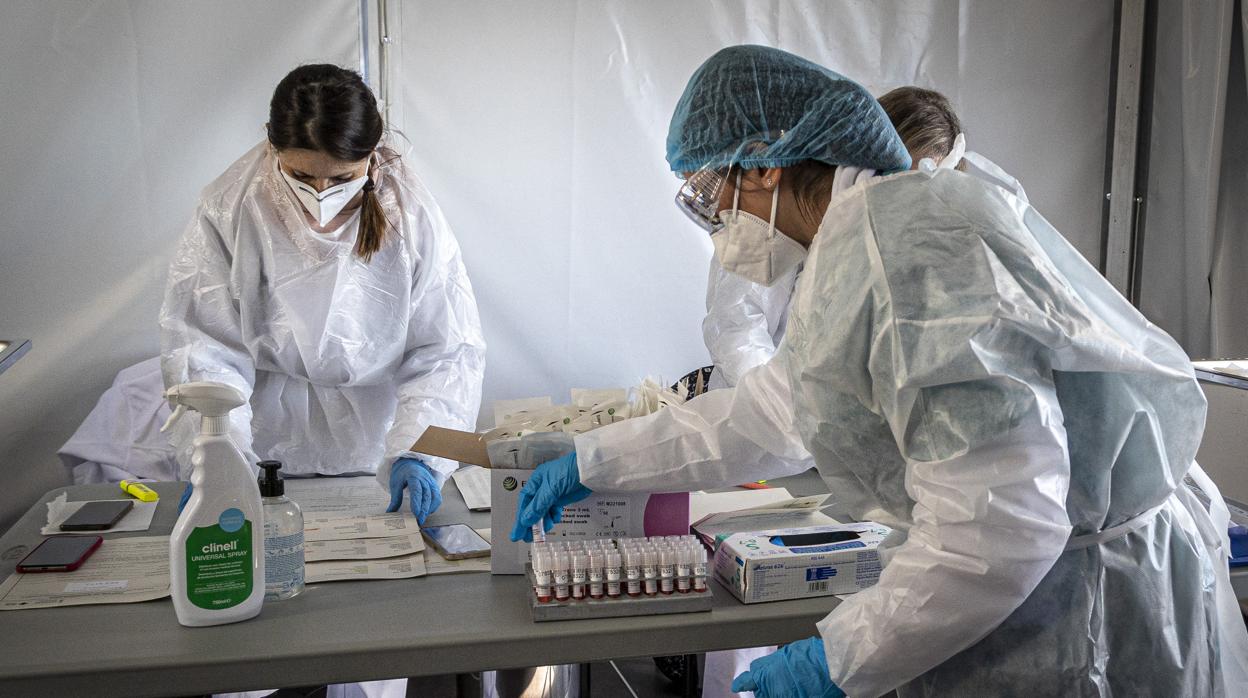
x,y
691,676
585,687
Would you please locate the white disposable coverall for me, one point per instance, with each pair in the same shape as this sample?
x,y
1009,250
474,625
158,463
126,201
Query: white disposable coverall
x,y
344,362
959,372
745,321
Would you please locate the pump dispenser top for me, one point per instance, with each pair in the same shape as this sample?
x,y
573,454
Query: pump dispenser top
x,y
271,484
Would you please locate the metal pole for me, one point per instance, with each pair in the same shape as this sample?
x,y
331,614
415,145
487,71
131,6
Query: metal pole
x,y
383,59
1120,237
364,40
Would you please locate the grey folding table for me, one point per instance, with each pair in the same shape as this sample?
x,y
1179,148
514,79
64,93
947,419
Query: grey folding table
x,y
348,631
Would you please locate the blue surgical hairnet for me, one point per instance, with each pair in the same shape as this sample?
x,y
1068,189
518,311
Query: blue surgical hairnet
x,y
757,106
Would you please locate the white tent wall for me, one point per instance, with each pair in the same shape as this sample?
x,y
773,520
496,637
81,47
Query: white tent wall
x,y
115,115
1195,240
540,128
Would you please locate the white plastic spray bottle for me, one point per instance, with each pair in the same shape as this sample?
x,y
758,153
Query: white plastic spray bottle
x,y
216,550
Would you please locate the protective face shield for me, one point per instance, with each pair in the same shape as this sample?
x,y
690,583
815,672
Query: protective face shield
x,y
751,248
698,198
324,205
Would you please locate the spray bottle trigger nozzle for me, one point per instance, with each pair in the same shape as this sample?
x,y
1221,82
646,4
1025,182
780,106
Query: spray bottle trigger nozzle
x,y
177,414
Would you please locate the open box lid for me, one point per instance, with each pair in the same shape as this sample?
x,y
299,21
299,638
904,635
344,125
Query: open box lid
x,y
462,446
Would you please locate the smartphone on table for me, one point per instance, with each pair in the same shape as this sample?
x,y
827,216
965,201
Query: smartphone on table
x,y
456,541
60,554
97,516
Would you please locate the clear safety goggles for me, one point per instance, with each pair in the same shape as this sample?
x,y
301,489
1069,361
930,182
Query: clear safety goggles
x,y
699,197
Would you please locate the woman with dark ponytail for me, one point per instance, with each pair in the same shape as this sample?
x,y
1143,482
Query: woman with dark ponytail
x,y
320,279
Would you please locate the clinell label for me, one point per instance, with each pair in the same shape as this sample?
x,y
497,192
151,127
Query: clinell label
x,y
219,562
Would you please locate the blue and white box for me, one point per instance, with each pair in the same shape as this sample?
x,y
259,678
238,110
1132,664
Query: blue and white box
x,y
798,563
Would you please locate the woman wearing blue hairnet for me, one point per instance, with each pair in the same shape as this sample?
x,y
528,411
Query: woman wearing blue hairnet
x,y
319,278
959,372
745,321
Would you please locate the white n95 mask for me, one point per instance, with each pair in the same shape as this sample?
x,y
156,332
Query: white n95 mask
x,y
752,248
324,205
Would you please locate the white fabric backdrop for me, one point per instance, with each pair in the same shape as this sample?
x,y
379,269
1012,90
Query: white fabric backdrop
x,y
540,127
114,115
1196,224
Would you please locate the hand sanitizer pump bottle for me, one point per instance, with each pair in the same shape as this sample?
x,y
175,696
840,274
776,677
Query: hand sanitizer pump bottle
x,y
283,536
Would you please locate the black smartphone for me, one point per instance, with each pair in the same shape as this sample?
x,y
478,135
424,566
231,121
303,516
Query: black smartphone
x,y
97,516
60,554
823,538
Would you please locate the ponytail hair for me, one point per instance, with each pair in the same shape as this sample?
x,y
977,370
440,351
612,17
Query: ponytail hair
x,y
373,223
329,109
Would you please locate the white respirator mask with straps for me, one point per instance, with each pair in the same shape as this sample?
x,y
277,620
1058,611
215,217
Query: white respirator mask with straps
x,y
324,205
752,248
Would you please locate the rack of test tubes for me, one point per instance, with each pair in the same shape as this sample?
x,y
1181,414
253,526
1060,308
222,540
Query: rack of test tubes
x,y
618,577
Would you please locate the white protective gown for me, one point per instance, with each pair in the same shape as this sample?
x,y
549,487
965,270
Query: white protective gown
x,y
745,321
345,362
959,372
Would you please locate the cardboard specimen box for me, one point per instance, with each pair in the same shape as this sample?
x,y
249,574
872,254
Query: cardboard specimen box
x,y
512,460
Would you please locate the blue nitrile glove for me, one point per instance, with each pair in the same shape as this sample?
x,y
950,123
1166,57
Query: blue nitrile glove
x,y
798,669
554,485
186,496
422,488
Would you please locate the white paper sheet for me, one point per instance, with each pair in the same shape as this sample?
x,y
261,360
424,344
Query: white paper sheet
x,y
473,482
139,518
322,497
1237,368
122,570
362,548
702,504
346,571
399,523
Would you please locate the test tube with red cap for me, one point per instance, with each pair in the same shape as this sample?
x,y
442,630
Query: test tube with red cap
x,y
613,574
699,570
596,581
541,576
561,570
580,575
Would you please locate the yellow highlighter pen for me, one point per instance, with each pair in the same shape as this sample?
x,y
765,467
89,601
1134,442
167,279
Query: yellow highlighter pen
x,y
139,491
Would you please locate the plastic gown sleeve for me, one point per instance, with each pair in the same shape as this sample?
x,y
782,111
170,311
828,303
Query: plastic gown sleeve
x,y
741,318
722,438
986,465
439,380
201,332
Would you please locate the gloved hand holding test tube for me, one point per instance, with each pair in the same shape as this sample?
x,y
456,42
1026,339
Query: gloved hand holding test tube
x,y
554,485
